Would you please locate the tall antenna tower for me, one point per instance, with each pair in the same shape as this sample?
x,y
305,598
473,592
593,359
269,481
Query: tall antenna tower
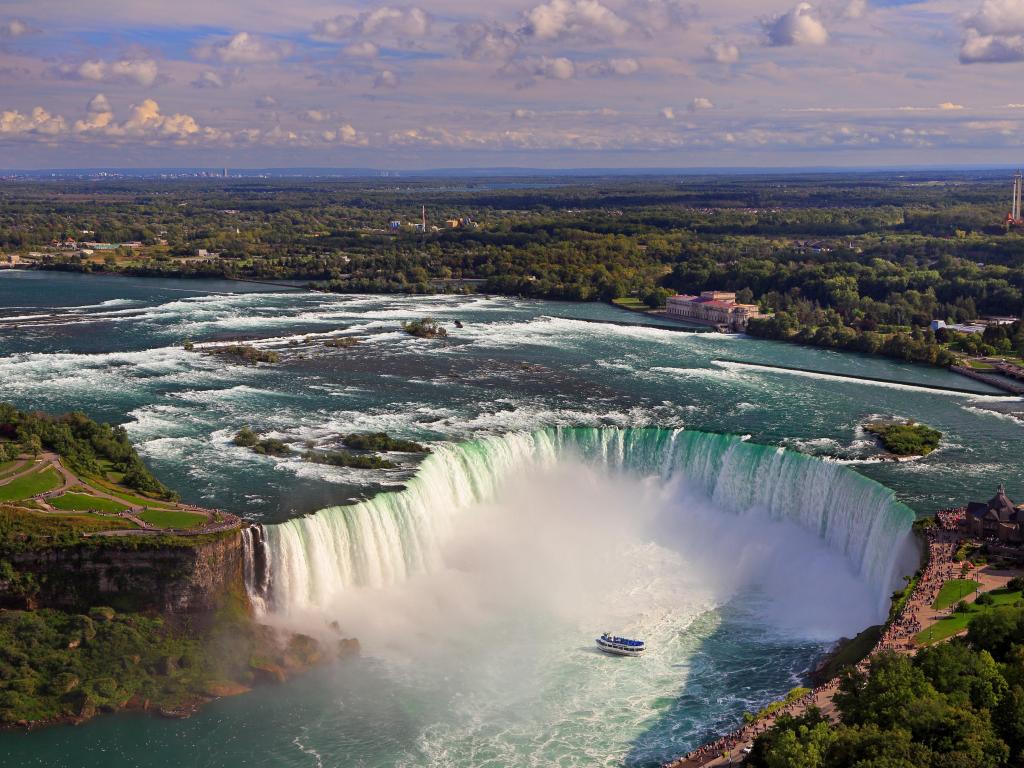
x,y
1018,190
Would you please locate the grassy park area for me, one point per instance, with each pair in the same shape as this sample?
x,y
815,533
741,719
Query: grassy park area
x,y
78,502
7,467
131,499
631,302
30,485
28,525
172,518
958,621
953,592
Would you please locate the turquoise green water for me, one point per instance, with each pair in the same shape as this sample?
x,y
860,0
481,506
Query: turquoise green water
x,y
727,625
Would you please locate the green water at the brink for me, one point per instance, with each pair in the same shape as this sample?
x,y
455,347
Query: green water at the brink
x,y
112,347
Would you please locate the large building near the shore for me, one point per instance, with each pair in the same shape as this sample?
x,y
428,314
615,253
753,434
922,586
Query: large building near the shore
x,y
997,518
717,308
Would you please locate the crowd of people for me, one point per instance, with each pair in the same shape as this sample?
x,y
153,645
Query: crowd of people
x,y
942,545
950,519
898,636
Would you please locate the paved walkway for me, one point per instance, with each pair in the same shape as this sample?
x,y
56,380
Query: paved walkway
x,y
917,615
30,465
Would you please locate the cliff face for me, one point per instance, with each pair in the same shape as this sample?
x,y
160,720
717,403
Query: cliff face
x,y
174,581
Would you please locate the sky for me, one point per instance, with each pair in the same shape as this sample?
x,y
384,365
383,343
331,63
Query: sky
x,y
503,83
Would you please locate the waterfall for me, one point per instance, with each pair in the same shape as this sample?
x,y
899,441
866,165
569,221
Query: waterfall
x,y
255,570
309,560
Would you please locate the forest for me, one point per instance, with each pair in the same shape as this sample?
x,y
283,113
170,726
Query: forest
x,y
86,446
854,261
956,704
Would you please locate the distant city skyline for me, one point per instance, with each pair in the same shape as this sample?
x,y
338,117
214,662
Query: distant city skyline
x,y
528,83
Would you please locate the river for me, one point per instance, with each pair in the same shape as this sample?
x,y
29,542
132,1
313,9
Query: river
x,y
477,653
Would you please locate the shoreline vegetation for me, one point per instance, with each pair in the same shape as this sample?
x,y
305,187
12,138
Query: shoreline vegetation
x,y
904,438
65,667
859,262
94,619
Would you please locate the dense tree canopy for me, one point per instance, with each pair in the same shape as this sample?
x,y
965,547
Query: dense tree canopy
x,y
954,705
862,262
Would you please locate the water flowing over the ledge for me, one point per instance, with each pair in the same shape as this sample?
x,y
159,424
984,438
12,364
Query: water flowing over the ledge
x,y
386,539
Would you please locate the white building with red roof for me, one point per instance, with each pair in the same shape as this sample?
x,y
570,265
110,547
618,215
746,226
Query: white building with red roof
x,y
717,308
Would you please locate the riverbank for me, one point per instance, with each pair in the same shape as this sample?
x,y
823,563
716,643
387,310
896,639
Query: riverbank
x,y
908,630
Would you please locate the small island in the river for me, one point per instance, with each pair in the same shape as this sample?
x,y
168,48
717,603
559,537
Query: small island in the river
x,y
363,453
425,328
905,438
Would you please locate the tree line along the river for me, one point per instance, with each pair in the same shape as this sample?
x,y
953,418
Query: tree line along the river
x,y
861,262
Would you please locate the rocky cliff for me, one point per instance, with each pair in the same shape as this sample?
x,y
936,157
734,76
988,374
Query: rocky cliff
x,y
174,580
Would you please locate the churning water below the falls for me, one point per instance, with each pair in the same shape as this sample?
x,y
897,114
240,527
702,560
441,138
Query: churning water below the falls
x,y
481,585
540,519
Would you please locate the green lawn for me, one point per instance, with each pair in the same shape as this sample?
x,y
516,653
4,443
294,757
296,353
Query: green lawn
x,y
958,622
631,302
953,592
109,472
7,466
27,486
80,502
172,518
21,522
121,493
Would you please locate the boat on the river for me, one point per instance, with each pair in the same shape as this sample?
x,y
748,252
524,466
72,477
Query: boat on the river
x,y
620,646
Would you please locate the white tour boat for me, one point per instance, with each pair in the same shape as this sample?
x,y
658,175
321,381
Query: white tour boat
x,y
620,646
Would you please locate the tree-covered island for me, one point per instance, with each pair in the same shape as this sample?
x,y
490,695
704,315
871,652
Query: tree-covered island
x,y
905,438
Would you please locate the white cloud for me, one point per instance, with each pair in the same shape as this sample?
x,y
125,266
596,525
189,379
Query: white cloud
x,y
385,79
266,102
949,106
364,49
245,48
208,79
99,103
100,115
993,49
855,9
994,33
91,70
146,119
559,68
344,134
386,20
622,67
482,42
998,17
38,121
15,28
140,71
587,19
668,113
656,16
723,53
800,26
700,103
